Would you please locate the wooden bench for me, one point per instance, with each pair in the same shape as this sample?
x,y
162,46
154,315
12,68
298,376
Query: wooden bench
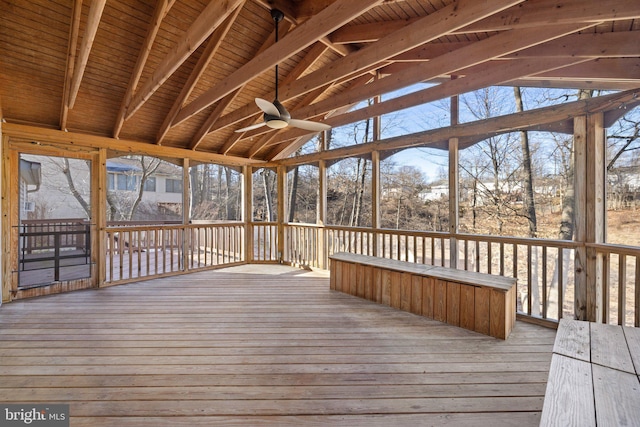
x,y
479,302
594,376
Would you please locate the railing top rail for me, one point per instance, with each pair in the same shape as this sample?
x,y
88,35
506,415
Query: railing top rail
x,y
615,248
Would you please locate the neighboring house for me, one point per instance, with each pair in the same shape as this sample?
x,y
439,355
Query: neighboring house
x,y
162,189
30,179
45,192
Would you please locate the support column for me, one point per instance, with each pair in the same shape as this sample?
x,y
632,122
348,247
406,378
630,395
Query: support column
x,y
321,215
186,214
580,206
99,216
454,193
589,163
375,200
282,192
454,198
595,216
247,211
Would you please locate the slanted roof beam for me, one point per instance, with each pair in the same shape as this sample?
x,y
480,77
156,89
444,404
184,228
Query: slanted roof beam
x,y
482,51
210,50
211,17
95,13
527,120
161,10
334,16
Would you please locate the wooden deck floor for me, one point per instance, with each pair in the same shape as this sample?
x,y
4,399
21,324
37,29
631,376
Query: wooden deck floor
x,y
257,345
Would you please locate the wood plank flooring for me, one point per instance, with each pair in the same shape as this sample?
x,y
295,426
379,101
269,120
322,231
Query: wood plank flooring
x,y
262,345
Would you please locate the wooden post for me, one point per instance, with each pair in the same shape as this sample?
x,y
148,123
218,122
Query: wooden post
x,y
247,211
595,214
186,214
4,225
321,214
282,193
10,217
99,216
375,200
580,206
454,194
453,202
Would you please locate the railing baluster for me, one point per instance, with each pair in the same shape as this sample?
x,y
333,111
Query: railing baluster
x,y
622,292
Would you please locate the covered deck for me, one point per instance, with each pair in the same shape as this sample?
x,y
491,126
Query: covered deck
x,y
262,344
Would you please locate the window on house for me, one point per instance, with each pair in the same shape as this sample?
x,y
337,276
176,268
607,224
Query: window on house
x,y
127,182
173,185
111,181
150,184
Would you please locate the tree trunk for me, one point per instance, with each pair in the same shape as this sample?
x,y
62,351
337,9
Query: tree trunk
x,y
528,198
293,195
227,194
267,194
66,170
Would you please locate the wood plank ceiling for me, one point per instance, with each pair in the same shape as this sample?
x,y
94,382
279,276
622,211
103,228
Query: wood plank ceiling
x,y
184,73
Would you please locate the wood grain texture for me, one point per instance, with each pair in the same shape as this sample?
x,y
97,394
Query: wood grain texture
x,y
617,397
569,397
258,345
609,347
573,340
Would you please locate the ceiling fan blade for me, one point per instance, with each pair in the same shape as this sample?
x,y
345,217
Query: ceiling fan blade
x,y
309,125
267,107
252,127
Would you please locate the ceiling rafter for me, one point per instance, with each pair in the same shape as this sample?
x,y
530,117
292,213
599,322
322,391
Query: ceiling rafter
x,y
159,13
95,14
510,123
212,46
334,16
74,33
492,47
316,51
211,17
222,105
429,28
528,14
249,110
373,56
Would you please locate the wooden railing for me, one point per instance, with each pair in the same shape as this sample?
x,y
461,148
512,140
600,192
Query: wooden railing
x,y
545,269
265,242
155,250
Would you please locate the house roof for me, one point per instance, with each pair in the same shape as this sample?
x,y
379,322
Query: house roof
x,y
184,73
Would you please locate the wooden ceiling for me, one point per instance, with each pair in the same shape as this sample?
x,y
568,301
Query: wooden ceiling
x,y
184,73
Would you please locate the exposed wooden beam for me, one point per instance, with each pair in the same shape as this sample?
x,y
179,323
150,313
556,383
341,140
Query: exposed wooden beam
x,y
211,17
74,32
528,14
210,50
249,110
334,16
228,99
161,10
72,139
527,120
593,45
600,69
431,27
540,12
495,74
215,115
95,13
482,51
368,33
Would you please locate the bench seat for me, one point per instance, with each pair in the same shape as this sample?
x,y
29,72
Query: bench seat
x,y
594,378
479,302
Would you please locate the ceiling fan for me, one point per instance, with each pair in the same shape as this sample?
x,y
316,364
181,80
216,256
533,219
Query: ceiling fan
x,y
275,115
